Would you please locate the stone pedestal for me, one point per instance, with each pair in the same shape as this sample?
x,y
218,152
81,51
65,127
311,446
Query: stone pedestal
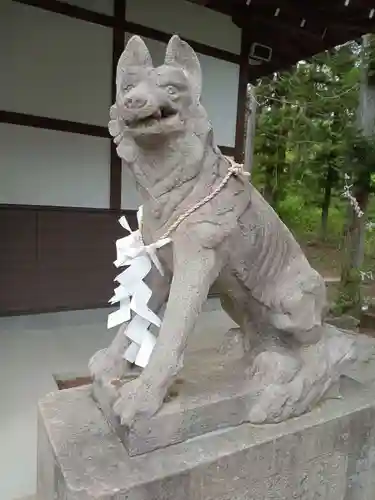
x,y
327,454
212,392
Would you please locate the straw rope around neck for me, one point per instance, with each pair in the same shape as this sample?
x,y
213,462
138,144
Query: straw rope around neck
x,y
235,169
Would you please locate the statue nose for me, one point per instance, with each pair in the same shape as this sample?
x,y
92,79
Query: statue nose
x,y
135,102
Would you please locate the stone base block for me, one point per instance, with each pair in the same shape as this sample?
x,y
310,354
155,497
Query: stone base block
x,y
328,454
209,395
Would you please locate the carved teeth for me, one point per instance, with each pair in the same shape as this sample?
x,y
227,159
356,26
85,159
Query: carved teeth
x,y
157,116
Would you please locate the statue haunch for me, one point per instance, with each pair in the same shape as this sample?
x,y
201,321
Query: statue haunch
x,y
235,241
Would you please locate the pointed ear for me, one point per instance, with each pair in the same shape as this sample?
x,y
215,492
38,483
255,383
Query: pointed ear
x,y
135,54
179,53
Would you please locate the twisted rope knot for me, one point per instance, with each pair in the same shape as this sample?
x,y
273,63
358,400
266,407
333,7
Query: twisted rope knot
x,y
237,169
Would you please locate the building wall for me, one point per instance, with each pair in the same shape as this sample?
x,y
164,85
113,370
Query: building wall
x,y
47,167
55,67
102,6
59,67
188,20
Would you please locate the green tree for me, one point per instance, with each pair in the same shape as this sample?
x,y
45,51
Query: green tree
x,y
309,136
361,165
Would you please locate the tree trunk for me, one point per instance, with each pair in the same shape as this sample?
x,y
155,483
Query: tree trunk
x,y
350,299
268,190
350,296
326,201
273,186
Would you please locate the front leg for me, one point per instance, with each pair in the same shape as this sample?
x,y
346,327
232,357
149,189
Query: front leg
x,y
108,364
195,269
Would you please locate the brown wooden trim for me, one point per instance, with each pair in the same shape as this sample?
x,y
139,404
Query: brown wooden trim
x,y
161,36
15,118
69,10
60,208
126,26
82,307
227,150
118,45
29,312
241,98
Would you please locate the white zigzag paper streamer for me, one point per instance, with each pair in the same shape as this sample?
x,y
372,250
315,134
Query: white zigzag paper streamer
x,y
133,294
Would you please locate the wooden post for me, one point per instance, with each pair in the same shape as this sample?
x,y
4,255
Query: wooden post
x,y
241,98
118,45
250,129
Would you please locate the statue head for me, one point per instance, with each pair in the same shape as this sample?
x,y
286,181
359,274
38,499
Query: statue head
x,y
156,103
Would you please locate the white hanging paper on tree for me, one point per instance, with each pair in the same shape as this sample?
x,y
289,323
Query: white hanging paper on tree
x,y
133,294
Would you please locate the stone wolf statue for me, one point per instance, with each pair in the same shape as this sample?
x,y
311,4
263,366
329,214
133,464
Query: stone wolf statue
x,y
235,241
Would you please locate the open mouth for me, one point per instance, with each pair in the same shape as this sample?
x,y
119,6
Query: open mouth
x,y
156,117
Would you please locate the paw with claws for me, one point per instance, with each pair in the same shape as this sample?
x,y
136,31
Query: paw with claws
x,y
138,398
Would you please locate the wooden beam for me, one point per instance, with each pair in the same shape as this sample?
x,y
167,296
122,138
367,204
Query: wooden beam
x,y
241,98
227,150
120,23
69,10
62,208
286,50
15,118
23,119
162,36
332,14
223,6
118,45
200,2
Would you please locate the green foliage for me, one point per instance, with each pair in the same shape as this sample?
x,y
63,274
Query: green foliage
x,y
349,300
360,157
303,120
299,216
307,140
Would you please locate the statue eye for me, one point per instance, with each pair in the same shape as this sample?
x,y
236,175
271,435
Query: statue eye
x,y
128,88
172,90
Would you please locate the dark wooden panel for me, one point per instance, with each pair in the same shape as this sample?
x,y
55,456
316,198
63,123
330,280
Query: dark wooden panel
x,y
55,258
76,252
18,259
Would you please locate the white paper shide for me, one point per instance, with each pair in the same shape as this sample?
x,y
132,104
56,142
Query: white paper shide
x,y
133,294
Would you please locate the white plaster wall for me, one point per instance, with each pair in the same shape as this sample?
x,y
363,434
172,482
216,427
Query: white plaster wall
x,y
188,20
46,167
219,97
59,67
130,199
219,94
54,66
102,6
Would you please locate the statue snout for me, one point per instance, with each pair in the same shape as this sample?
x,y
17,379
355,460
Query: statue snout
x,y
135,102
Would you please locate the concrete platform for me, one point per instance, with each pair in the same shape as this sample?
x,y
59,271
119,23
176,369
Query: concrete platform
x,y
212,393
33,349
328,454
